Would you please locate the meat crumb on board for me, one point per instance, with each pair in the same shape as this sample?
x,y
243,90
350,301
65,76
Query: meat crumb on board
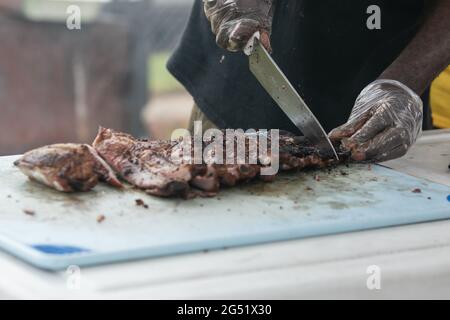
x,y
29,212
141,203
101,218
416,190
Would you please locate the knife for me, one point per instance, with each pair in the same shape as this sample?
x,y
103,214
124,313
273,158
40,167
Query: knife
x,y
277,85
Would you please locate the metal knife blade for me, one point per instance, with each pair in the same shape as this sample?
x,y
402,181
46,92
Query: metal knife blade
x,y
270,76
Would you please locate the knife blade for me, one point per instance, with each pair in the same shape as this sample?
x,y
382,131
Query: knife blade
x,y
277,85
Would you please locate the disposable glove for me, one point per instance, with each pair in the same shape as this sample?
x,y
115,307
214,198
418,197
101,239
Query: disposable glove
x,y
235,21
386,120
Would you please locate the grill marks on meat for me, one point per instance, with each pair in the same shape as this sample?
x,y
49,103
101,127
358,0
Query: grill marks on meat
x,y
148,165
67,167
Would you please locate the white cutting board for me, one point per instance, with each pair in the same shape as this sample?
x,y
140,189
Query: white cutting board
x,y
64,230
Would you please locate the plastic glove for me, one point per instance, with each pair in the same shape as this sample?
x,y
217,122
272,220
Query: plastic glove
x,y
386,120
235,21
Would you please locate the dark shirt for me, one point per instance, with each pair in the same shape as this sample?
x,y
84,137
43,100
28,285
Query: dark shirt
x,y
323,46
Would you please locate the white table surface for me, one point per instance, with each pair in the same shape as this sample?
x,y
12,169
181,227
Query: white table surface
x,y
414,261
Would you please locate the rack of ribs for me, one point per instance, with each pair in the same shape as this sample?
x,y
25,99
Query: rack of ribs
x,y
150,164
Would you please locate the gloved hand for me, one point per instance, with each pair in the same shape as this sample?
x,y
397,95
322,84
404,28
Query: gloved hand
x,y
235,21
386,120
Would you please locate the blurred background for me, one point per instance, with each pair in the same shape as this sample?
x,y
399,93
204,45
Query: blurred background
x,y
59,85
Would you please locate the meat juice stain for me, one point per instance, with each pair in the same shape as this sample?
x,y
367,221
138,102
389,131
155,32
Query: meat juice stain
x,y
37,191
291,185
337,205
83,201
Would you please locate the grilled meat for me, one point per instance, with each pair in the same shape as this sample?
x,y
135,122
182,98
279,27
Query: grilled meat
x,y
144,164
67,167
153,166
150,165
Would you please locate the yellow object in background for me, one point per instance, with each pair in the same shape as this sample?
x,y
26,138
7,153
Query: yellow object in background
x,y
440,100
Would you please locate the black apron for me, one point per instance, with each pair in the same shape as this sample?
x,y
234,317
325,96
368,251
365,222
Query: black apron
x,y
323,46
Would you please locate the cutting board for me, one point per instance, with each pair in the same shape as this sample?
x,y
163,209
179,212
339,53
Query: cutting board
x,y
65,231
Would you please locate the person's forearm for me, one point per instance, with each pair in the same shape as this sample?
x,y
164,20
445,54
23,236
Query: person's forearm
x,y
428,53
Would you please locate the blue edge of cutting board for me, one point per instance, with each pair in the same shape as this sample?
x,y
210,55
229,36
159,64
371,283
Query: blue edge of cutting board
x,y
56,258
